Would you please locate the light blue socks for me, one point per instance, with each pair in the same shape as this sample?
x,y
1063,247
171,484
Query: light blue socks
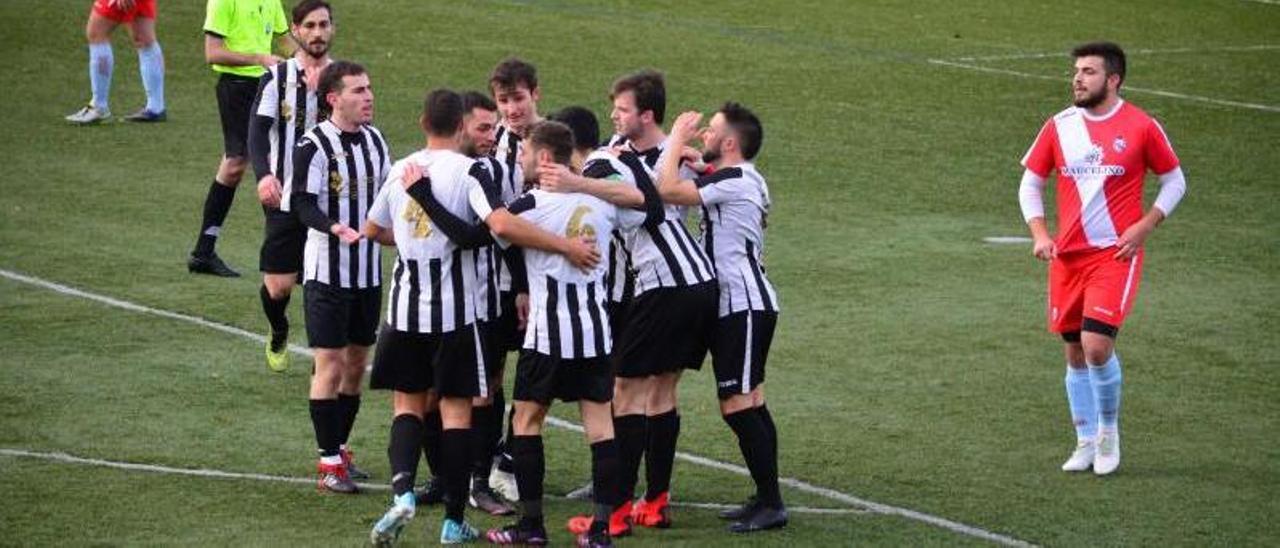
x,y
101,63
1106,380
151,65
1084,406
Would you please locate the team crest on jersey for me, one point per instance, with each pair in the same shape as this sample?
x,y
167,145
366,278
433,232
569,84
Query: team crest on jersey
x,y
286,111
335,182
419,222
1119,144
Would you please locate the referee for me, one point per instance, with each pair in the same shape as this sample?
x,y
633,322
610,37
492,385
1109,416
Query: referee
x,y
237,45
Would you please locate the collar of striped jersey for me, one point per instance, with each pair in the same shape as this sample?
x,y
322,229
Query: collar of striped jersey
x,y
352,138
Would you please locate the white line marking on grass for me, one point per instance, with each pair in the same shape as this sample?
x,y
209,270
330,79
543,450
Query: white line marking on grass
x,y
1007,240
1170,51
221,474
799,485
1161,93
1270,2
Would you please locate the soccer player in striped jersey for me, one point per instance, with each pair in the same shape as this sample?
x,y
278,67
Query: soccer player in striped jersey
x,y
339,165
514,85
104,17
286,108
237,46
567,343
669,321
430,341
1101,148
735,202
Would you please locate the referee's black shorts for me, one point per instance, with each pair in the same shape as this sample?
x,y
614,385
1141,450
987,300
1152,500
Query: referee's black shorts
x,y
667,329
451,363
235,105
338,317
542,378
283,240
740,349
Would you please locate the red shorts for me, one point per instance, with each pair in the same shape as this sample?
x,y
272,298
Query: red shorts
x,y
141,8
1094,285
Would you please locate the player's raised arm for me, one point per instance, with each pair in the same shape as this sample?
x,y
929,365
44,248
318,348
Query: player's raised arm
x,y
671,188
555,177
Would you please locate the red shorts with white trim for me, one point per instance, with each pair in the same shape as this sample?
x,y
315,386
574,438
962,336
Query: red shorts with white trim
x,y
109,9
1094,285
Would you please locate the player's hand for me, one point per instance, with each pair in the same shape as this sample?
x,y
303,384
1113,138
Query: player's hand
x,y
522,311
345,233
1129,243
269,191
686,126
268,60
122,5
692,157
412,175
1044,249
583,253
554,177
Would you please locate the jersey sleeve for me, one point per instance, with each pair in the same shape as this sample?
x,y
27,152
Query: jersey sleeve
x,y
725,185
380,211
1159,152
268,94
279,23
218,17
1040,157
309,168
480,201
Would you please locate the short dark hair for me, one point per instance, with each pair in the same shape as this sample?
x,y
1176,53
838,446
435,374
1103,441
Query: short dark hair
x,y
746,126
1110,52
512,72
442,112
305,7
554,137
472,100
649,88
584,125
331,81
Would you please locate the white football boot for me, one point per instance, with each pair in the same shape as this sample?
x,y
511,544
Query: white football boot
x,y
1108,457
1082,458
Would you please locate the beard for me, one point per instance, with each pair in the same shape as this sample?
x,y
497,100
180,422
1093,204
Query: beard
x,y
317,49
1092,99
469,149
711,155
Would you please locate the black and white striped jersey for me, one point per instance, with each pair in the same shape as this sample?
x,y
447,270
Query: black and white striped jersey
x,y
735,202
662,254
434,286
566,305
508,174
284,97
344,172
488,259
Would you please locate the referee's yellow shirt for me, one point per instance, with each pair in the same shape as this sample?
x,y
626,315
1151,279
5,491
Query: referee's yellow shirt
x,y
246,26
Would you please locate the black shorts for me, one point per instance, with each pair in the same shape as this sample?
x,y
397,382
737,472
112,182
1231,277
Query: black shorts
x,y
235,105
283,238
541,378
507,336
667,329
740,350
338,317
494,355
617,312
416,362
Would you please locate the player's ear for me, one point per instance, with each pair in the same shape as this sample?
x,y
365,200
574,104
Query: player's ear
x,y
535,94
422,122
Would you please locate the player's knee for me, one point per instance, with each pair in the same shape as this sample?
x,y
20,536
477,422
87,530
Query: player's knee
x,y
735,403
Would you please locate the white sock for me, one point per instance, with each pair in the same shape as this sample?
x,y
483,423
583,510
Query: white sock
x,y
101,63
151,65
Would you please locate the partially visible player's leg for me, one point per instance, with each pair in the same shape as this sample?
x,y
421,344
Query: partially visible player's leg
x,y
235,96
349,389
739,355
486,422
150,65
1109,296
326,419
101,65
402,450
1064,314
630,428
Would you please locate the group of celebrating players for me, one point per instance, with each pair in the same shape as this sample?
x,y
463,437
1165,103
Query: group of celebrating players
x,y
512,233
519,233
